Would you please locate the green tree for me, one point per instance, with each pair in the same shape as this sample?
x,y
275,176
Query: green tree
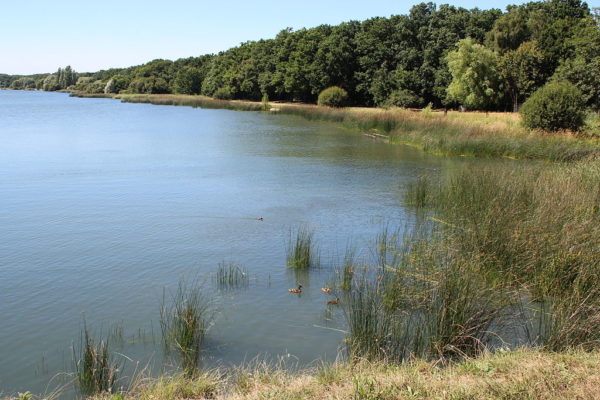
x,y
555,106
585,75
188,81
475,75
510,30
521,71
50,83
117,83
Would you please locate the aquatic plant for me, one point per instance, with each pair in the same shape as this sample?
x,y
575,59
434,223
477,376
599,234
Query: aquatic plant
x,y
301,251
95,370
184,320
346,273
231,276
536,229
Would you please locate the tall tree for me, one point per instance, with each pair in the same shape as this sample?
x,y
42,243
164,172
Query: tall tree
x,y
521,71
475,75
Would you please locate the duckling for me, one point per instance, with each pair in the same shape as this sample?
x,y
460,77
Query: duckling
x,y
299,290
334,302
325,290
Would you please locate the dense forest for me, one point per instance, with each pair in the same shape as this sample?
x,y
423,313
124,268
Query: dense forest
x,y
445,56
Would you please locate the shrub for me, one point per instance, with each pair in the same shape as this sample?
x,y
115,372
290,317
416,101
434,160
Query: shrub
x,y
333,96
404,98
557,105
223,93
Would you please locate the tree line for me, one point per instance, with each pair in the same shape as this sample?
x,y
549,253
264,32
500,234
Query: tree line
x,y
443,56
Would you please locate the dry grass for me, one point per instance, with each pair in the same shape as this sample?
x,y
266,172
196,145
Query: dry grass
x,y
521,374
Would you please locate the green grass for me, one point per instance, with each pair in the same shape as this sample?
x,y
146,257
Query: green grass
x,y
231,276
184,320
535,227
95,370
301,252
431,302
346,271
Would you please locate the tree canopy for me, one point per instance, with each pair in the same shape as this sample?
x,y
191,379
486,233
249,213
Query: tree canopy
x,y
443,55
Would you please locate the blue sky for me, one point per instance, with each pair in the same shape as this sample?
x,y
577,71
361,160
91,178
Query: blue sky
x,y
40,36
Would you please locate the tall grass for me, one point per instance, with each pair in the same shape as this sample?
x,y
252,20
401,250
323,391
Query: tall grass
x,y
535,227
231,276
432,303
465,134
301,252
95,370
184,320
346,272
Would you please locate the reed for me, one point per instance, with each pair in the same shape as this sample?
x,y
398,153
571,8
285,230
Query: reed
x,y
432,303
536,229
465,134
184,320
346,272
95,370
231,276
301,251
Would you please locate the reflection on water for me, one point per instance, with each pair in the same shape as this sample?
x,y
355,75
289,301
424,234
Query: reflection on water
x,y
103,205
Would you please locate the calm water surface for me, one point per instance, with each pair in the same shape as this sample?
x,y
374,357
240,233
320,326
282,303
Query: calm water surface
x,y
103,205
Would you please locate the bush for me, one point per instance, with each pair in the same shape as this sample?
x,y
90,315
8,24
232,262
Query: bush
x,y
333,96
404,98
557,105
223,93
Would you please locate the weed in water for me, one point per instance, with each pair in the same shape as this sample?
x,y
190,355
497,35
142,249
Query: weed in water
x,y
301,251
184,320
231,276
95,370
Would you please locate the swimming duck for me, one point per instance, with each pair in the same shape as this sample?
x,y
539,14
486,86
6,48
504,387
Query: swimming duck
x,y
299,290
325,290
334,302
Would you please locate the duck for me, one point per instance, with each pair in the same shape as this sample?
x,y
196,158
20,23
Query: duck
x,y
325,290
334,302
298,290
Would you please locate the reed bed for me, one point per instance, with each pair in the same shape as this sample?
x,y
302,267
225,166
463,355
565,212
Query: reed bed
x,y
301,252
231,276
535,227
464,134
95,370
184,321
432,303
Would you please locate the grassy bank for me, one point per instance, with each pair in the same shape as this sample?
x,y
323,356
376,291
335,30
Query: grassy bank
x,y
471,134
522,374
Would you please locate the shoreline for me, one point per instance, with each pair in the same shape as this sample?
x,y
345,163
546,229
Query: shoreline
x,y
452,133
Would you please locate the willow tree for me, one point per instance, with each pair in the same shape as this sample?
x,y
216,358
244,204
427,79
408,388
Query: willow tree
x,y
475,76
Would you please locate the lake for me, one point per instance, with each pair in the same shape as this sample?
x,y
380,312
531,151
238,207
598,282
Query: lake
x,y
105,206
